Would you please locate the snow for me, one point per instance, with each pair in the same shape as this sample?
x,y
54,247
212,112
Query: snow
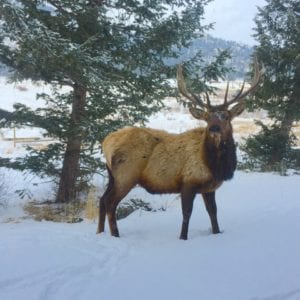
x,y
256,257
24,92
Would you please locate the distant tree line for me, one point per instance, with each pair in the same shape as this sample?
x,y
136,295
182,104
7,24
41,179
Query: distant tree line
x,y
237,63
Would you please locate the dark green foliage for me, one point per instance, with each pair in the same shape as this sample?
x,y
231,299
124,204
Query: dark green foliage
x,y
260,154
106,63
278,35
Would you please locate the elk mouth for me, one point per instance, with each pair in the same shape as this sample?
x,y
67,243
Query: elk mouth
x,y
215,135
216,138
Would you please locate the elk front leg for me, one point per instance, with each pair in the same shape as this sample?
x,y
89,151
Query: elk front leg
x,y
211,207
187,199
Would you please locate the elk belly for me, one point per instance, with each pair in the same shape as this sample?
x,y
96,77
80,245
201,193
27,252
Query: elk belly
x,y
162,174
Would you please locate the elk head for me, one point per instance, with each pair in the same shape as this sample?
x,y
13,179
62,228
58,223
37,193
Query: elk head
x,y
218,117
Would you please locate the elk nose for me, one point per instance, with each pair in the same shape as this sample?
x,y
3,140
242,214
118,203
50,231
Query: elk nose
x,y
215,128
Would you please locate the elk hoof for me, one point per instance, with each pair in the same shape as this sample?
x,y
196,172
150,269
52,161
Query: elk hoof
x,y
100,229
115,234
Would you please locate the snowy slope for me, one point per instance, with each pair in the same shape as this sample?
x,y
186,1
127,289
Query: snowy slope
x,y
256,257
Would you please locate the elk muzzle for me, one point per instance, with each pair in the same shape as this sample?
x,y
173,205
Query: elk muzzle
x,y
215,129
215,135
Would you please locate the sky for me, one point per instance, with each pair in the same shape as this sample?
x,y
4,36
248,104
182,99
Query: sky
x,y
233,19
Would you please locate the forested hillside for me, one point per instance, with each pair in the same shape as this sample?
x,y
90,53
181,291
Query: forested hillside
x,y
240,54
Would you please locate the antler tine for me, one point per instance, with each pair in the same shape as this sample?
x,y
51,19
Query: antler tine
x,y
208,100
237,96
226,94
196,101
256,80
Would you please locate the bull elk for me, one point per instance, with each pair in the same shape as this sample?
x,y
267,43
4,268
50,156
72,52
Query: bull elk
x,y
195,161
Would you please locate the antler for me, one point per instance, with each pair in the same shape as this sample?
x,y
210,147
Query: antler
x,y
195,100
254,84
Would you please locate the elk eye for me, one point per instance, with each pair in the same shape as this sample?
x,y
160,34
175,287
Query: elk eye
x,y
224,117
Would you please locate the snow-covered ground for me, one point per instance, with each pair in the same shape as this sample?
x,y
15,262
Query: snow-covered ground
x,y
255,258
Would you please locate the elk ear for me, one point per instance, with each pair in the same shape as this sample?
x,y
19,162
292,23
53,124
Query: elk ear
x,y
237,109
199,114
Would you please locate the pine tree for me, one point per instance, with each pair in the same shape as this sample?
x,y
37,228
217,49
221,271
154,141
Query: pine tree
x,y
278,35
107,64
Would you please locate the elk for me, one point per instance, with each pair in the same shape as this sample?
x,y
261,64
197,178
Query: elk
x,y
195,161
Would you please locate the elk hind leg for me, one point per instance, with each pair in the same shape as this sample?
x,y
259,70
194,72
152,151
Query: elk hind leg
x,y
122,184
111,203
103,200
124,178
211,207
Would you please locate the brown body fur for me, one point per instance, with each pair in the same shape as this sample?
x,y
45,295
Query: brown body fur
x,y
159,161
162,162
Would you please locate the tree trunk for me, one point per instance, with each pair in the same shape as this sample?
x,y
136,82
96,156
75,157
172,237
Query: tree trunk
x,y
67,185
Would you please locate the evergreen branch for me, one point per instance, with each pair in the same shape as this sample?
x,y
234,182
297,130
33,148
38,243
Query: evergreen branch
x,y
6,115
60,8
27,118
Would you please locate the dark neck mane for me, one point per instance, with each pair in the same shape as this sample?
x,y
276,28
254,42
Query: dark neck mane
x,y
221,161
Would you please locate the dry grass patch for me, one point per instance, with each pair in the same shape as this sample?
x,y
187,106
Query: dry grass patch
x,y
91,208
245,128
48,211
72,212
